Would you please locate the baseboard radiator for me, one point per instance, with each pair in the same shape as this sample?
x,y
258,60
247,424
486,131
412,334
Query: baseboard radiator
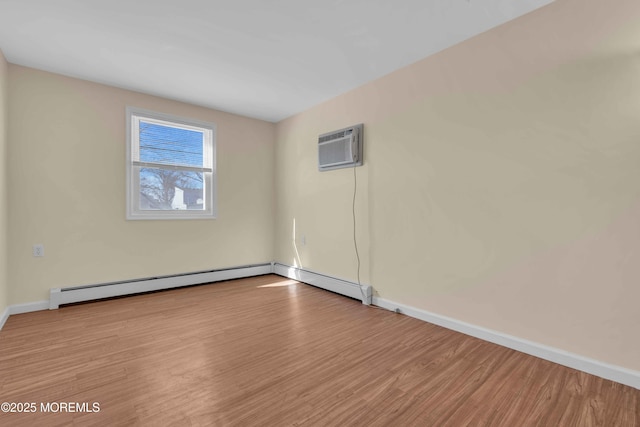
x,y
59,296
333,284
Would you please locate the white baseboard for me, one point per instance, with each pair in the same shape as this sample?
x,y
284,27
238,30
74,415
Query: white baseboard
x,y
333,284
591,366
28,307
107,290
22,308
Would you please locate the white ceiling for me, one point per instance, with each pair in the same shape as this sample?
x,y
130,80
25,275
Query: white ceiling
x,y
267,59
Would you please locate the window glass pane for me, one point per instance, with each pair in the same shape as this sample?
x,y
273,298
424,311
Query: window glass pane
x,y
170,145
166,189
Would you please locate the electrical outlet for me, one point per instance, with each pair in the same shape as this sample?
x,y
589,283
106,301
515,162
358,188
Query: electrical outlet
x,y
303,240
38,250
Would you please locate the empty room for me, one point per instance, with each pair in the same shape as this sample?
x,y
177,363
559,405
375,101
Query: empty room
x,y
305,213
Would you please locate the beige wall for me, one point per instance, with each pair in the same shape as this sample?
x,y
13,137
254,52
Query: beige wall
x,y
501,184
4,285
67,181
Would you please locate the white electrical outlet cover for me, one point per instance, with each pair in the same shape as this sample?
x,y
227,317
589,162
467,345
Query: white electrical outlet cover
x,y
38,250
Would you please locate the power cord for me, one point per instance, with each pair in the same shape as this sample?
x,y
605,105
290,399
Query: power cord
x,y
355,240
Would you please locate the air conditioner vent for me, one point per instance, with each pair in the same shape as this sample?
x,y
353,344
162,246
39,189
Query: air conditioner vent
x,y
340,149
335,135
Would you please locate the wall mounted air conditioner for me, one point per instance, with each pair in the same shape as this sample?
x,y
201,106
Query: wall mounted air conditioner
x,y
340,149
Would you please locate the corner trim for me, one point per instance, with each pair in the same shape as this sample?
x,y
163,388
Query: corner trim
x,y
4,317
329,283
591,366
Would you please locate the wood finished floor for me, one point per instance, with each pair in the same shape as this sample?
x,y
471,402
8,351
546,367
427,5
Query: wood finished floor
x,y
267,351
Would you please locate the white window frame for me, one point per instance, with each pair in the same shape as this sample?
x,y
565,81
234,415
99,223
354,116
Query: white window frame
x,y
133,116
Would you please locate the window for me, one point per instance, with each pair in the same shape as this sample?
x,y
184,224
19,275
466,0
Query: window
x,y
170,167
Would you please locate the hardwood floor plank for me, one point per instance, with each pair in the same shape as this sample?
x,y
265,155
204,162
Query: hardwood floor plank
x,y
268,351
